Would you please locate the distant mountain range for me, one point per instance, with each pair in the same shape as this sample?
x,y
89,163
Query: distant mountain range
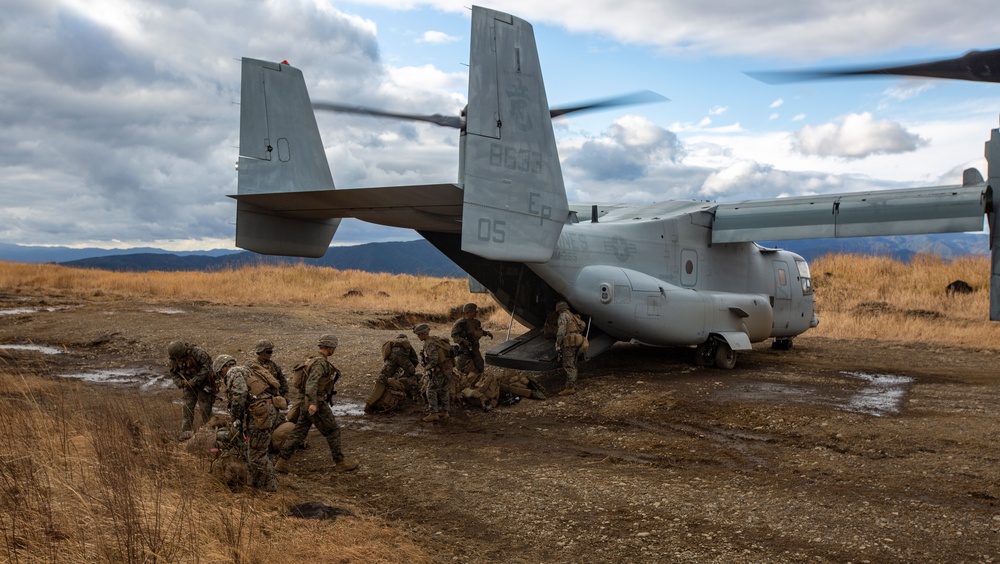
x,y
409,257
421,258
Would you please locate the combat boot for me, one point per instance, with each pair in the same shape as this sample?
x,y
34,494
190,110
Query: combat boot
x,y
432,417
346,465
281,465
567,392
445,414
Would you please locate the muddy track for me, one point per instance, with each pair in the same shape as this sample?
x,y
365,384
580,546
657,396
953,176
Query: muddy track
x,y
834,451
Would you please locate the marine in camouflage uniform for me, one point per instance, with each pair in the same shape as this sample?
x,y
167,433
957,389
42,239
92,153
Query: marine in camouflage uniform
x,y
438,368
398,378
466,334
264,350
320,380
191,371
250,404
568,342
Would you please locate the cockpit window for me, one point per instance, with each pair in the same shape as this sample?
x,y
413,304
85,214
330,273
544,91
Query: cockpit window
x,y
804,277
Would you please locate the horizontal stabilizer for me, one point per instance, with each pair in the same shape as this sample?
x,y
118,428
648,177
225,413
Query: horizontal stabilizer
x,y
263,231
430,207
945,209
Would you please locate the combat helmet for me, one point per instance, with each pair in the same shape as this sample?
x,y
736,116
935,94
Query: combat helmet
x,y
263,345
562,306
221,362
469,308
176,348
330,341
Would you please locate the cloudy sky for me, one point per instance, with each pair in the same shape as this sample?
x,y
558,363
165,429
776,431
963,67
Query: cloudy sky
x,y
122,116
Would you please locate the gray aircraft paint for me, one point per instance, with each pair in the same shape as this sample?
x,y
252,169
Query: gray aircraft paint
x,y
672,273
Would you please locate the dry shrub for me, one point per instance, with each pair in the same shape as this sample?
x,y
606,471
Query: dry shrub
x,y
91,474
877,298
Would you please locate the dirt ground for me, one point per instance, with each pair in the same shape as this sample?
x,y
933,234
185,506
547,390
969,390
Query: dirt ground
x,y
835,451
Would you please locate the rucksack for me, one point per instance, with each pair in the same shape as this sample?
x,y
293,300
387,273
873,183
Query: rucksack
x,y
301,373
262,380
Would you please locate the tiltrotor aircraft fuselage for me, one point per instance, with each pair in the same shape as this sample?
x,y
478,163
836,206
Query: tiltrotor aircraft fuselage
x,y
675,273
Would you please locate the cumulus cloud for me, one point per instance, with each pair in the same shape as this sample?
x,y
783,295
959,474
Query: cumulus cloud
x,y
127,118
776,104
626,150
855,136
437,37
779,28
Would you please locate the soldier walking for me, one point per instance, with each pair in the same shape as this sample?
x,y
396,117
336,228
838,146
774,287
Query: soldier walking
x,y
321,377
191,371
250,392
438,367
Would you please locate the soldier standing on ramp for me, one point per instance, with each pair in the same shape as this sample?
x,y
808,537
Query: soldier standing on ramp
x,y
570,342
191,371
317,388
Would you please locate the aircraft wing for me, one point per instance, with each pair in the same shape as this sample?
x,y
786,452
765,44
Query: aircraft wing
x,y
944,209
431,207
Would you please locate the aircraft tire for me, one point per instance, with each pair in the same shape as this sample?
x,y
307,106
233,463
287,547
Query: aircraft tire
x,y
782,345
725,356
703,354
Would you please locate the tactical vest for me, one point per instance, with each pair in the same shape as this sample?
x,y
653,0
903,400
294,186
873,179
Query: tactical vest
x,y
261,380
444,360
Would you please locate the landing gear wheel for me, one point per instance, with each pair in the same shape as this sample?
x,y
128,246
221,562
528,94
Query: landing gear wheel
x,y
782,345
725,356
704,355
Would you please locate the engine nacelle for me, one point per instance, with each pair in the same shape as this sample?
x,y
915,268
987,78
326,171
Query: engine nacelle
x,y
633,306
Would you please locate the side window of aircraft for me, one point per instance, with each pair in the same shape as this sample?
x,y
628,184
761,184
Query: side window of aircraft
x,y
689,267
804,277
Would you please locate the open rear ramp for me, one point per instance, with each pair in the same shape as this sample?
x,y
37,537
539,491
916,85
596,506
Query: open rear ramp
x,y
535,351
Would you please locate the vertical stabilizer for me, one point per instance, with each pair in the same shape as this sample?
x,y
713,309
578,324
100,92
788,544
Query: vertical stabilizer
x,y
280,151
515,202
993,213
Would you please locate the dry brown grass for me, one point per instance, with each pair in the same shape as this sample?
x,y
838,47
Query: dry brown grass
x,y
89,475
276,285
857,296
866,297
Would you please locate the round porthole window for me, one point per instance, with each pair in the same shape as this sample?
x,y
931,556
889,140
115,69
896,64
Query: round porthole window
x,y
689,267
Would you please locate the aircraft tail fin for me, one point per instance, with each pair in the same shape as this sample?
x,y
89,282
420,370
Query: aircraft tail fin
x,y
993,215
280,151
514,199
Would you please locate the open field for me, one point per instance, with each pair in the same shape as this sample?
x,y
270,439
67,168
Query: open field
x,y
874,439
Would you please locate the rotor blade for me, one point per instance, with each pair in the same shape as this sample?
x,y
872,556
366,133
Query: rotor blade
x,y
641,97
438,119
977,66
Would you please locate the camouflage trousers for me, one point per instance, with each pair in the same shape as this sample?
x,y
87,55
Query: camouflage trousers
x,y
204,401
324,421
471,361
438,392
569,355
259,468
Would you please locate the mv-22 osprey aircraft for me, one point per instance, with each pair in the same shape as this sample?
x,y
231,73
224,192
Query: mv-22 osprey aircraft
x,y
674,273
